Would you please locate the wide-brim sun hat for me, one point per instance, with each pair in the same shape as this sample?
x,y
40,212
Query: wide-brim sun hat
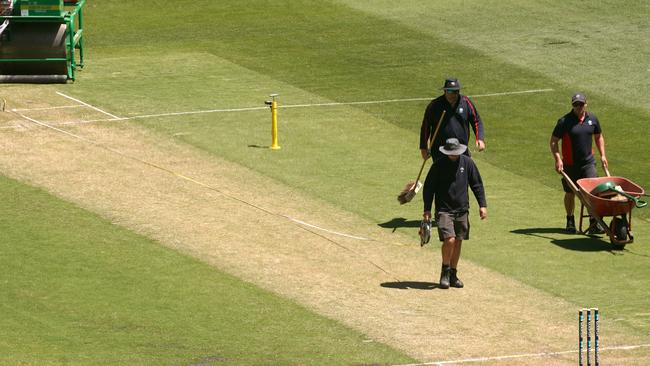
x,y
452,147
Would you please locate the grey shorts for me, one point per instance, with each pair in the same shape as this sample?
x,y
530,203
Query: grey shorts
x,y
453,226
578,172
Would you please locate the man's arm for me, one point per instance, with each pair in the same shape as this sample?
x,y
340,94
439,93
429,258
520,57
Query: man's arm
x,y
429,189
477,125
425,131
555,150
600,145
476,184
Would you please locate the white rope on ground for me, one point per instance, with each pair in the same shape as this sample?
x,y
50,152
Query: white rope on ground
x,y
303,226
229,110
524,355
326,230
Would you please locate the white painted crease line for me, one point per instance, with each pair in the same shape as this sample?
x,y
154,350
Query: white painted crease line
x,y
154,115
55,123
10,127
115,118
196,112
326,230
409,99
88,105
47,108
525,355
512,93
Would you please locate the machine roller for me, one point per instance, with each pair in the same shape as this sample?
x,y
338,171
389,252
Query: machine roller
x,y
41,41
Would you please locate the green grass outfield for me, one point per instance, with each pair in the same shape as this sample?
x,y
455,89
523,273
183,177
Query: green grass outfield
x,y
229,54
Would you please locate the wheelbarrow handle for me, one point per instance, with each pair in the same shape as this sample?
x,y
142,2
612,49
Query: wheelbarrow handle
x,y
572,185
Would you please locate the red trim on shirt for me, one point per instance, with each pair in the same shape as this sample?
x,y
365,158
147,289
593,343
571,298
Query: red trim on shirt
x,y
469,103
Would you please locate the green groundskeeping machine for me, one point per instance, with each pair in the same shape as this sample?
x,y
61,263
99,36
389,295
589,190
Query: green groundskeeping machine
x,y
39,40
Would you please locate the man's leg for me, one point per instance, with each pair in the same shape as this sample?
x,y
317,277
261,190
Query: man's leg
x,y
455,255
569,203
589,171
448,248
454,281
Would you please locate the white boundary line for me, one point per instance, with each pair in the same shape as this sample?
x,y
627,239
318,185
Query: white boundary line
x,y
524,355
88,105
115,118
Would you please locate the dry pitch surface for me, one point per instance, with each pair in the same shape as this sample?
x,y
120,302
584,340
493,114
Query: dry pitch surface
x,y
245,224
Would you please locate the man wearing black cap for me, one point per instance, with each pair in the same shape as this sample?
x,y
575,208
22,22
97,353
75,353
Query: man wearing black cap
x,y
460,115
452,174
576,130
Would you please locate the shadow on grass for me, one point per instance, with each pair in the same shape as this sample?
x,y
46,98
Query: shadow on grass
x,y
399,222
415,285
540,232
576,242
586,244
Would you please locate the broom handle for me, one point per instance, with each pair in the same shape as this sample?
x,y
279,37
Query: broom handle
x,y
435,133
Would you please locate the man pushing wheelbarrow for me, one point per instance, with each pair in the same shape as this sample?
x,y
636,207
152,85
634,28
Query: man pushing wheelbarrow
x,y
576,129
604,196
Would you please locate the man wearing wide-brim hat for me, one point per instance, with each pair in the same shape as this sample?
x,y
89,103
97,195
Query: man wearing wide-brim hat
x,y
452,174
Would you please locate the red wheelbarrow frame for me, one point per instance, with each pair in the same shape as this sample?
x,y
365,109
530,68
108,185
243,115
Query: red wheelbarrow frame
x,y
599,207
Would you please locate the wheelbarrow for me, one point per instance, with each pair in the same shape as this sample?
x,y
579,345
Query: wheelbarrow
x,y
608,197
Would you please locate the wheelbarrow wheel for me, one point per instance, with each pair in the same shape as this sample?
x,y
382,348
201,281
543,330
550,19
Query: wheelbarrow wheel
x,y
620,230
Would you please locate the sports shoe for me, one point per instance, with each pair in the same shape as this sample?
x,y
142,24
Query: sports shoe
x,y
454,281
444,277
570,225
425,231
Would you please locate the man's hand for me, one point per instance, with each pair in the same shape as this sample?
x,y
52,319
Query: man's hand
x,y
482,212
603,160
559,166
425,153
480,144
426,215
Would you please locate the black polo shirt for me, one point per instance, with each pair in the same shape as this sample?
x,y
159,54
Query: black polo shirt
x,y
448,182
459,119
577,136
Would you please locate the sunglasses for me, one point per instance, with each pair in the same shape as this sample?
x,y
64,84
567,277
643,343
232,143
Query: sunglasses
x,y
578,104
451,91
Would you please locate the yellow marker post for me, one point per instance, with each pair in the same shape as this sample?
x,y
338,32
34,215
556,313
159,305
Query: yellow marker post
x,y
273,103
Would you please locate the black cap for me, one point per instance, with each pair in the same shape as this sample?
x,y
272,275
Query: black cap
x,y
579,97
451,84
